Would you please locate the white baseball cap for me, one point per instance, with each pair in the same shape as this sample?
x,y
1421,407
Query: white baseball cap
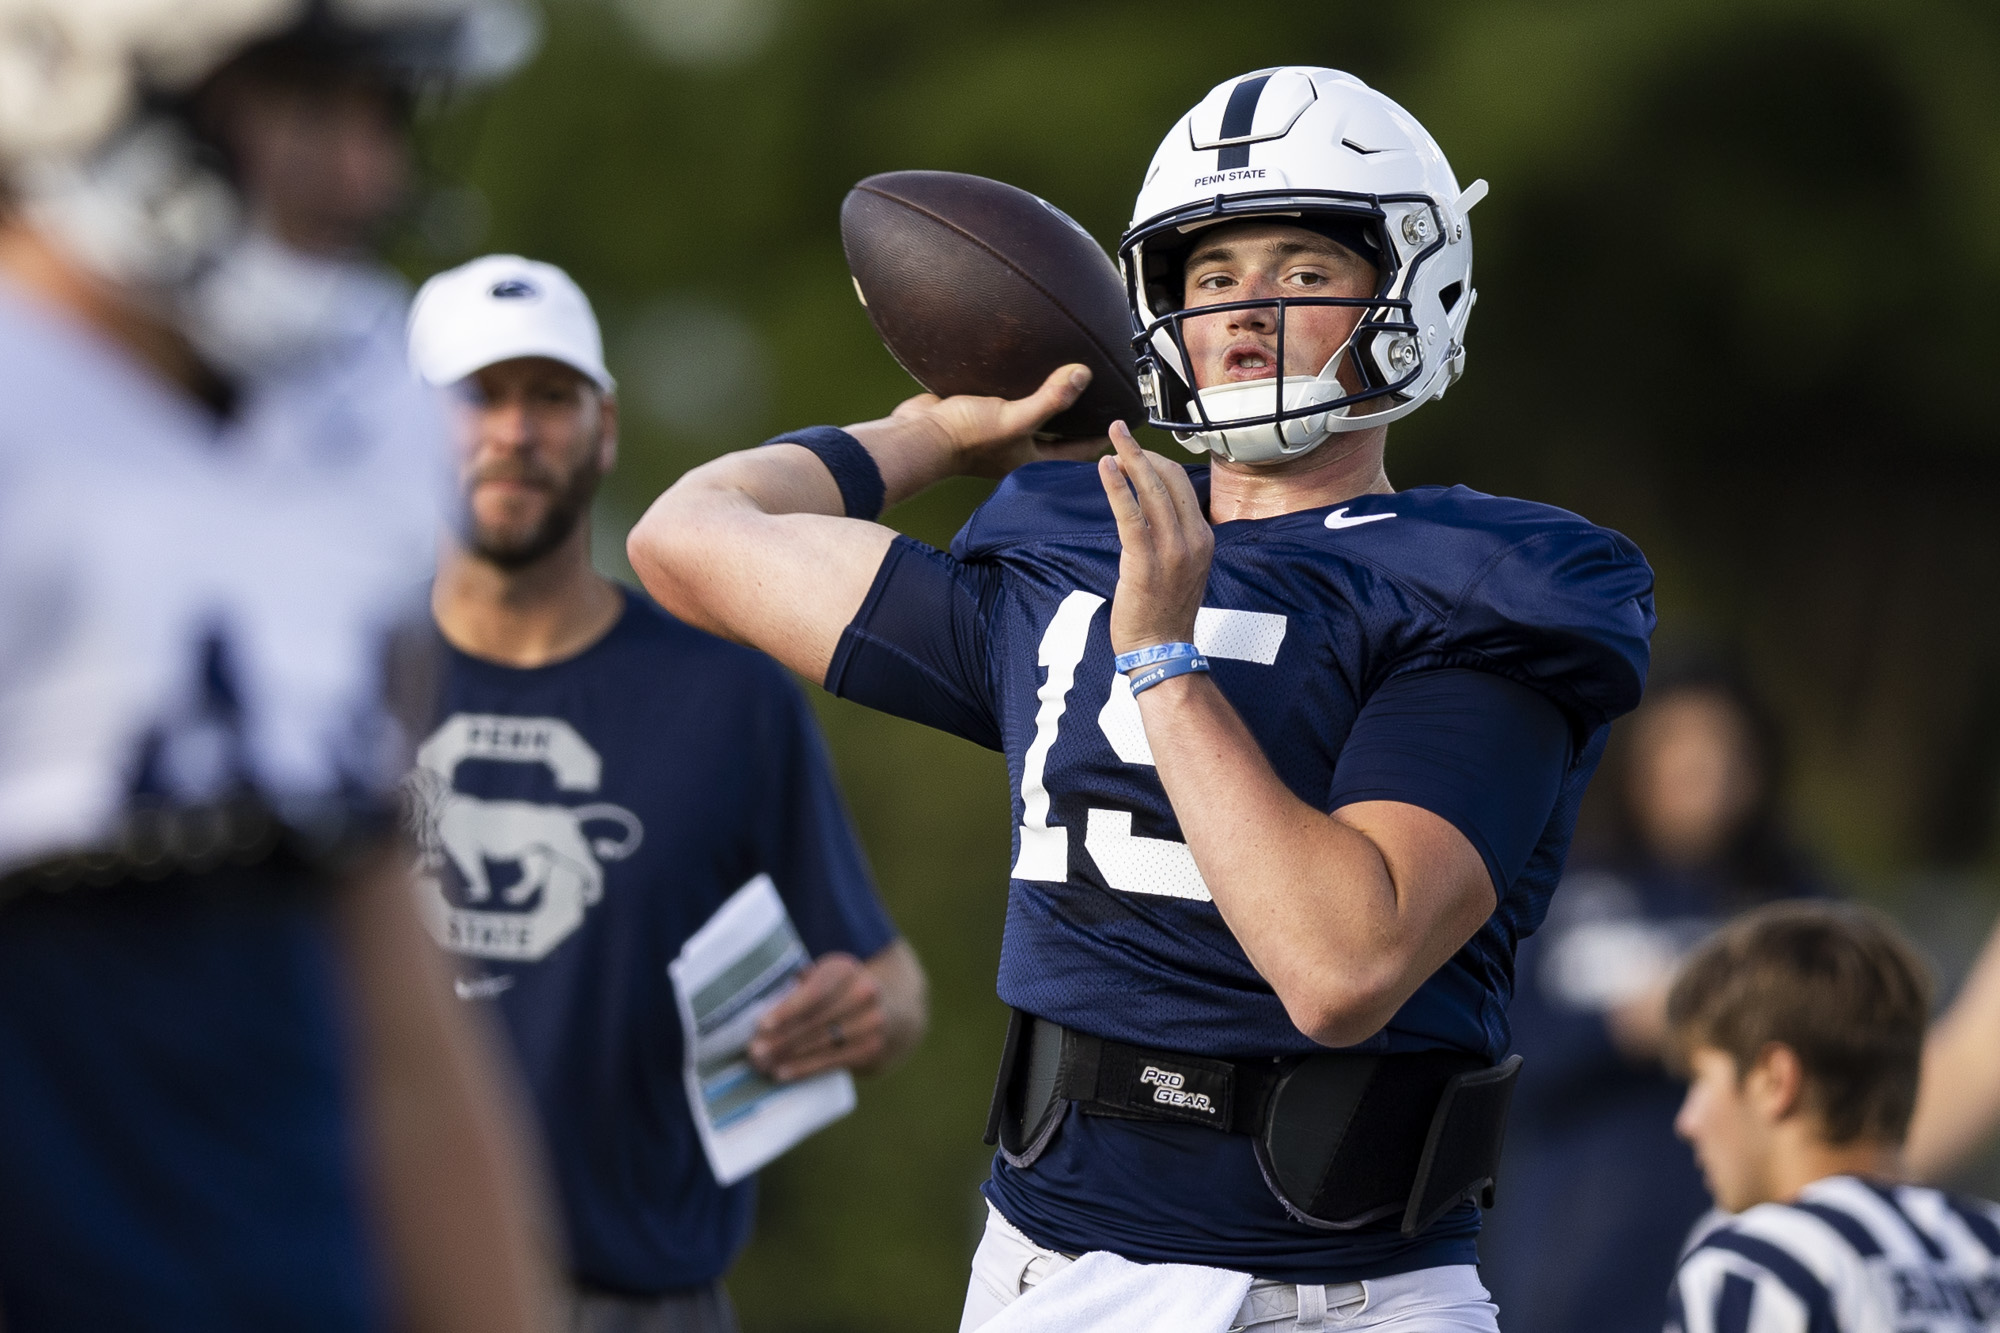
x,y
496,309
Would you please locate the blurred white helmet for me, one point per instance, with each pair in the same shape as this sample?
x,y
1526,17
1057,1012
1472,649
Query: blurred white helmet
x,y
1320,149
74,71
96,144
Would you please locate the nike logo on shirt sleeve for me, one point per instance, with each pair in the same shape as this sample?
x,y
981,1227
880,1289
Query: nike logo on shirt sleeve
x,y
1338,519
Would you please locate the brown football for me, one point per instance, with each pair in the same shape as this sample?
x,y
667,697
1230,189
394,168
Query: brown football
x,y
977,287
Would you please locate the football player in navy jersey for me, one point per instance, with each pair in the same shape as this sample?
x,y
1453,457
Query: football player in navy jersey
x,y
1296,756
597,782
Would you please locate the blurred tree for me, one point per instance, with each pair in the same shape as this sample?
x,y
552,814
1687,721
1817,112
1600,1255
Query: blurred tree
x,y
1737,272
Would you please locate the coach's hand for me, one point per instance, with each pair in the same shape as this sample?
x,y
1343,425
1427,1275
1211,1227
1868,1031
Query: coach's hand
x,y
834,1018
1163,569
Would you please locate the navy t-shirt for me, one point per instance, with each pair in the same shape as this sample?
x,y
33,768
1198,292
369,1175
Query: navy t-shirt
x,y
580,821
1310,619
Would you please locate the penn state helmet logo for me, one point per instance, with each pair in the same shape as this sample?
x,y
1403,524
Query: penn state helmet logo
x,y
513,289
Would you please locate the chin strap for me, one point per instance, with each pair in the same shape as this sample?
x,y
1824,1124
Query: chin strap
x,y
1265,441
1270,441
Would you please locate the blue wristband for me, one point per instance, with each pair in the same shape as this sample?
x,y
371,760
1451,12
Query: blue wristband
x,y
853,467
1167,670
1159,652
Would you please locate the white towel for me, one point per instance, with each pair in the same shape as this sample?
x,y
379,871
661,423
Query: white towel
x,y
1102,1293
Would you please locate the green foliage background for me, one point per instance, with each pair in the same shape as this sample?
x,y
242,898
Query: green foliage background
x,y
1738,273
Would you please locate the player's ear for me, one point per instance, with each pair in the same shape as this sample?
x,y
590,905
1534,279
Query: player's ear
x,y
1776,1083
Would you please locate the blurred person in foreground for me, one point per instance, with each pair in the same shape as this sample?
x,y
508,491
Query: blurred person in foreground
x,y
577,720
1598,1194
1801,1028
234,1090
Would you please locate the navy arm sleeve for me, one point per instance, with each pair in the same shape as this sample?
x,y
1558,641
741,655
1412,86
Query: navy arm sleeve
x,y
809,846
1479,751
918,647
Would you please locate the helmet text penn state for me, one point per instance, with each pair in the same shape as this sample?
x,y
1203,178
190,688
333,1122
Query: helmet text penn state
x,y
1230,177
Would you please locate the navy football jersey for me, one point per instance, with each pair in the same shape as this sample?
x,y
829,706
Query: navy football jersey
x,y
579,822
1110,928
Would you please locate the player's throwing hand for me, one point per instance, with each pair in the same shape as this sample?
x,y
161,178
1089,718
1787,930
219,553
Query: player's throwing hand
x,y
928,438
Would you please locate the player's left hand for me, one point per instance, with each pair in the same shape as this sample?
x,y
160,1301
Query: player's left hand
x,y
1167,542
833,1019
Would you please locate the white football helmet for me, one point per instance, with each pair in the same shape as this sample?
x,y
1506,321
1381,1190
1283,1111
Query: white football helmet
x,y
1322,150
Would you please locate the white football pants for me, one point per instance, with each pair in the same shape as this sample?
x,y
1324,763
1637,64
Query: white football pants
x,y
1430,1300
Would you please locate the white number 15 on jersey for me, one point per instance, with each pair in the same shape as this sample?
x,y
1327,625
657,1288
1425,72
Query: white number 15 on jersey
x,y
1129,863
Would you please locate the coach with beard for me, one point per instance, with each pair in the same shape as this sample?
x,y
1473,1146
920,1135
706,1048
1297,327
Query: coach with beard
x,y
600,778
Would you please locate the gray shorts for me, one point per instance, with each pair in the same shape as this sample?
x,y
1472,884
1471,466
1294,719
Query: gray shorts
x,y
702,1310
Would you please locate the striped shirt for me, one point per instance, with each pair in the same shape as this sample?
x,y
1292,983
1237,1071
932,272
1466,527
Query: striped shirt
x,y
1847,1256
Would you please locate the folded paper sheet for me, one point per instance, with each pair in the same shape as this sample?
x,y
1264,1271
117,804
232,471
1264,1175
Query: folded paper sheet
x,y
730,972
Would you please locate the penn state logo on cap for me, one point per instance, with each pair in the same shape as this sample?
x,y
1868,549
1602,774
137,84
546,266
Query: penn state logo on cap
x,y
499,308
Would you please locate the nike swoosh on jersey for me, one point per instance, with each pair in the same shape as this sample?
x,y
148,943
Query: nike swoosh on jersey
x,y
1338,519
480,988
